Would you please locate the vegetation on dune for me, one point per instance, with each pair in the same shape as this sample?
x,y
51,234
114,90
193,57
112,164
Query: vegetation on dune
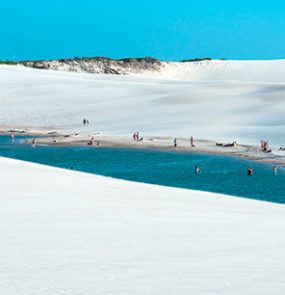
x,y
150,60
139,59
8,62
196,59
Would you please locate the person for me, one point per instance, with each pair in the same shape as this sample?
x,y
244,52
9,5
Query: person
x,y
134,136
274,170
87,122
84,122
175,142
197,170
138,136
34,143
234,144
192,141
12,136
262,145
265,146
249,171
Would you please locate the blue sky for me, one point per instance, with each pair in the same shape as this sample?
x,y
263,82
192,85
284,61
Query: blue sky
x,y
169,30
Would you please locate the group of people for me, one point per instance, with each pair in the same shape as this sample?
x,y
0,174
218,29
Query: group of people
x,y
136,136
85,121
250,170
12,138
191,142
234,144
91,142
264,145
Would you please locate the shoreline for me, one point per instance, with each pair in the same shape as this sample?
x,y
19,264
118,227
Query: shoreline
x,y
53,137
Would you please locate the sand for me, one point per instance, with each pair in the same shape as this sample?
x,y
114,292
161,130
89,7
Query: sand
x,y
65,232
223,101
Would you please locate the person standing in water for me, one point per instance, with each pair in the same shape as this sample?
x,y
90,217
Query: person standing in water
x,y
249,171
175,142
197,170
33,143
12,136
192,141
274,168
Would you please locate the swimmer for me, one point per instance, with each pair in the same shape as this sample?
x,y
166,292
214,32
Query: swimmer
x,y
197,170
274,170
249,171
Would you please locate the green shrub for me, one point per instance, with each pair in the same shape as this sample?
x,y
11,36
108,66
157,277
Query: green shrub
x,y
196,59
8,62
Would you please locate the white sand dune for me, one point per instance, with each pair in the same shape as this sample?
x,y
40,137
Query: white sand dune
x,y
64,232
219,100
261,71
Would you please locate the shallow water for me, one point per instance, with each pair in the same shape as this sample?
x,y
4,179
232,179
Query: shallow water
x,y
221,174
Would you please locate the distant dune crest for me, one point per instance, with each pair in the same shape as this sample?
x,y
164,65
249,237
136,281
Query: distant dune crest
x,y
193,69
